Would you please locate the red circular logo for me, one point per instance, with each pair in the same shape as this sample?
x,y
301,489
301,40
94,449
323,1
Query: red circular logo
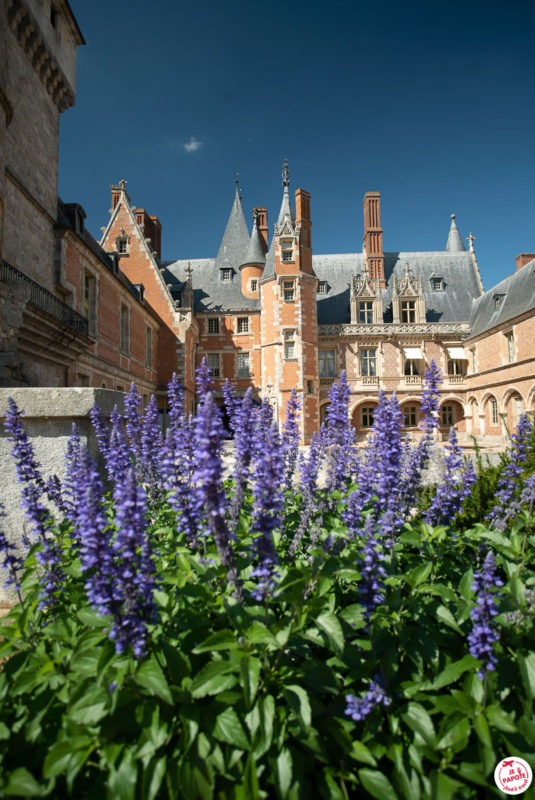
x,y
513,775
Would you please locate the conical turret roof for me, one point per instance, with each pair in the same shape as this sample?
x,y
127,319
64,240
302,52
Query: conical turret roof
x,y
255,252
454,243
235,241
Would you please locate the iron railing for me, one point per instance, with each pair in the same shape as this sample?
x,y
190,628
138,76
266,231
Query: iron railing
x,y
45,300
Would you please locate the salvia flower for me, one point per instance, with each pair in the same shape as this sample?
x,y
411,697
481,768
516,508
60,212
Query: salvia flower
x,y
371,557
134,580
208,482
151,446
339,435
118,460
102,432
12,563
72,482
268,504
455,486
484,634
28,470
244,428
132,403
508,485
290,437
358,708
309,468
430,400
232,404
204,379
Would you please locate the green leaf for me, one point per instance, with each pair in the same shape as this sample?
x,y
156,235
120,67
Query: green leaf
x,y
482,729
330,625
499,719
527,670
228,728
420,573
258,633
22,784
222,640
419,720
361,753
59,755
297,699
377,784
155,776
250,677
456,734
284,770
122,781
447,617
453,672
90,708
214,677
91,618
150,676
465,584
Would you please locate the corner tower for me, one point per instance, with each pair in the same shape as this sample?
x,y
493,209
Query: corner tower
x,y
289,332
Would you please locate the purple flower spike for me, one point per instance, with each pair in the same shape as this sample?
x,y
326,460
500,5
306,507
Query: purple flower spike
x,y
309,468
151,447
358,708
134,569
102,432
72,482
12,563
429,404
455,486
118,461
28,470
268,504
244,427
338,435
232,405
132,404
290,437
484,635
204,380
371,556
208,482
509,483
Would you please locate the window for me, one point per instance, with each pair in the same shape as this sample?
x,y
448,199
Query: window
x,y
226,274
148,355
243,365
455,366
289,344
448,416
124,331
510,347
326,363
254,285
518,408
436,284
310,387
122,244
368,363
408,310
322,287
473,353
411,367
493,412
410,416
286,250
89,300
83,380
497,300
212,362
367,416
243,324
288,291
213,325
366,312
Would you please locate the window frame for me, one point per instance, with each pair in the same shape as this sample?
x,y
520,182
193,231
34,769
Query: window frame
x,y
437,284
456,366
240,371
89,299
368,363
367,416
214,322
322,356
510,346
226,274
447,415
121,244
494,415
242,325
366,313
413,367
254,284
215,371
288,291
289,344
408,313
286,249
322,287
410,416
124,329
148,346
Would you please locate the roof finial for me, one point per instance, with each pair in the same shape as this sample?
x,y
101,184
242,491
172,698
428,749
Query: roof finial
x,y
189,272
122,184
255,216
453,216
471,239
285,173
237,184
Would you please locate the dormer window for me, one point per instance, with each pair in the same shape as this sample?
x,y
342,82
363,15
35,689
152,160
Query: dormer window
x,y
322,287
226,274
121,243
408,311
437,284
254,285
286,251
366,312
498,300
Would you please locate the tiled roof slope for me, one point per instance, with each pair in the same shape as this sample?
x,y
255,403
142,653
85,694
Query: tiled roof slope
x,y
452,304
517,296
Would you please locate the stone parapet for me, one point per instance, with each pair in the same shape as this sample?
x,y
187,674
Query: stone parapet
x,y
49,414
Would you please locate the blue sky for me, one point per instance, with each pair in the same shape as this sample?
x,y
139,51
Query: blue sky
x,y
429,103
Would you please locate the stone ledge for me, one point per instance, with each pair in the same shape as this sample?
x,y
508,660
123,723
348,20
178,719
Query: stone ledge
x,y
56,402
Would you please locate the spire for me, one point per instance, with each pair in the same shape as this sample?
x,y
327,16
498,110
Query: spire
x,y
454,243
255,251
235,241
286,209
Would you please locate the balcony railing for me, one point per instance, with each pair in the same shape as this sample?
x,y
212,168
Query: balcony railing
x,y
416,380
455,378
370,380
327,381
45,300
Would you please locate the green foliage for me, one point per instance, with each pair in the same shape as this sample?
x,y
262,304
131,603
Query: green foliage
x,y
245,701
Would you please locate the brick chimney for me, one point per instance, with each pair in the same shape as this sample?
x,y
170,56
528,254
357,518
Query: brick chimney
x,y
302,218
152,229
373,237
522,259
116,191
261,221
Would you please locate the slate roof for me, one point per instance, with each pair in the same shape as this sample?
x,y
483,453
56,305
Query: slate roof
x,y
210,293
517,296
454,243
255,252
235,241
452,304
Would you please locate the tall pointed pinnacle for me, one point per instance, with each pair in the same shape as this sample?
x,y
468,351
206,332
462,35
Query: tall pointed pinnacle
x,y
454,243
255,251
286,209
235,241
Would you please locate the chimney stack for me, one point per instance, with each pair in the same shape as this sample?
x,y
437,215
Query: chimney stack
x,y
522,259
373,237
302,218
261,222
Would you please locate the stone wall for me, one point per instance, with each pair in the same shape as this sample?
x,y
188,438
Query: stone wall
x,y
48,419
